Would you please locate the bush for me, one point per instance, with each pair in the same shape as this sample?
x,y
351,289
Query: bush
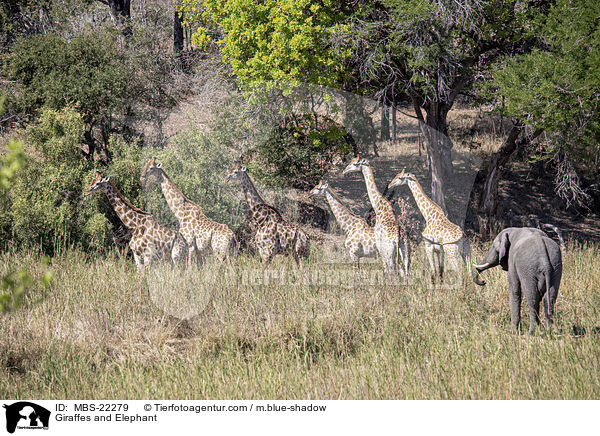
x,y
44,207
300,151
45,204
197,163
87,72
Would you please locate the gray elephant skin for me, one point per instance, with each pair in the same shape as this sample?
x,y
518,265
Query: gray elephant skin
x,y
534,265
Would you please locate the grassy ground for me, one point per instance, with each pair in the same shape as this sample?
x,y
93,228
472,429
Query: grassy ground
x,y
97,333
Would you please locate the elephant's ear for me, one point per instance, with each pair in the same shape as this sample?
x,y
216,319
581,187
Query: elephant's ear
x,y
503,250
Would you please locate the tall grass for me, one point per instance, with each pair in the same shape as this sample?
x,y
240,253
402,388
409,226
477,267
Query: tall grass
x,y
97,333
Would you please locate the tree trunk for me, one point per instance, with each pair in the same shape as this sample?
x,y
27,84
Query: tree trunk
x,y
385,122
394,123
178,39
439,147
120,10
488,202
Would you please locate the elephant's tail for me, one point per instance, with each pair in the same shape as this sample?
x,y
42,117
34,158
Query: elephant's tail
x,y
548,300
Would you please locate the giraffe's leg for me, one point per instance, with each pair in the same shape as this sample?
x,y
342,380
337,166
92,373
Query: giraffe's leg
x,y
403,256
465,252
296,257
452,251
440,261
387,255
178,251
354,255
139,263
202,248
220,243
148,258
302,246
267,254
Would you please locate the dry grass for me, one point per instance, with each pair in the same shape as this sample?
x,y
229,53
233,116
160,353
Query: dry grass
x,y
97,334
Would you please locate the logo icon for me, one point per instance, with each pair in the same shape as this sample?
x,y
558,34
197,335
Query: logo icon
x,y
26,415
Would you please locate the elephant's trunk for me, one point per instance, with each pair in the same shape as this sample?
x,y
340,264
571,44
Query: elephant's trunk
x,y
476,270
476,279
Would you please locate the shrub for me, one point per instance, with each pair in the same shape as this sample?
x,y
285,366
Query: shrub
x,y
45,204
87,72
197,163
300,151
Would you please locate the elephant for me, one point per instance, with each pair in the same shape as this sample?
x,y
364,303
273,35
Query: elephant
x,y
534,265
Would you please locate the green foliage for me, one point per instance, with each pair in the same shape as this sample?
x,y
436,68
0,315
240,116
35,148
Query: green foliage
x,y
274,40
86,72
431,51
45,205
197,163
299,152
11,163
14,286
556,87
43,198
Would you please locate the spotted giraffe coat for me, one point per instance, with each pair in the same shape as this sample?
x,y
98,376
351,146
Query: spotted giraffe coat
x,y
150,240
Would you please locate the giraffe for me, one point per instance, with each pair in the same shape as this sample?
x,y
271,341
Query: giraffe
x,y
360,236
440,234
274,234
202,234
150,240
390,245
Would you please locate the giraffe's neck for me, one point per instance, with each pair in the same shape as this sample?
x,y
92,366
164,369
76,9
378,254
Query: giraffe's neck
x,y
130,215
252,196
375,197
341,212
175,198
424,203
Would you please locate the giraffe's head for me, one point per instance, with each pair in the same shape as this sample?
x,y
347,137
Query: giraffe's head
x,y
152,167
401,178
98,182
319,189
356,165
236,172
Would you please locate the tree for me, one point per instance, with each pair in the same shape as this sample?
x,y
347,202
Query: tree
x,y
15,284
555,89
120,12
87,72
431,52
273,40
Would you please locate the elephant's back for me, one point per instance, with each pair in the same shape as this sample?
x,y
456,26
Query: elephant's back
x,y
540,251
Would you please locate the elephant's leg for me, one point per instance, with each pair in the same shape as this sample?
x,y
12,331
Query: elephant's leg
x,y
514,294
534,311
533,290
548,310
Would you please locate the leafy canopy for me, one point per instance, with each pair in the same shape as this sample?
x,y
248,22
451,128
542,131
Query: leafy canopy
x,y
53,72
272,40
557,86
